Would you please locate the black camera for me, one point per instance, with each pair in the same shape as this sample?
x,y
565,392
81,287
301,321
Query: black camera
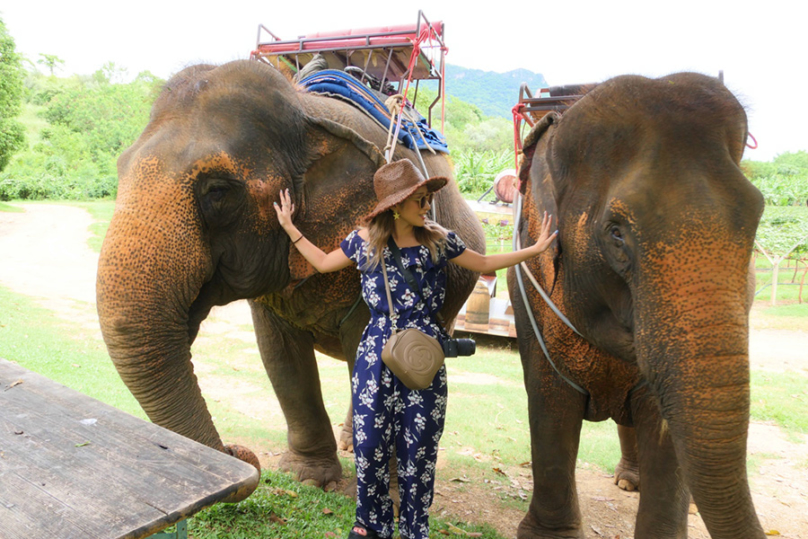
x,y
459,347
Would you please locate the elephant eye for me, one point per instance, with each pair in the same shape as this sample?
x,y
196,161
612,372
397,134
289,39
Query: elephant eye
x,y
214,190
217,193
616,233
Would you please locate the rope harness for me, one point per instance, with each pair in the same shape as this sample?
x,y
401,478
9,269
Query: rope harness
x,y
545,297
518,117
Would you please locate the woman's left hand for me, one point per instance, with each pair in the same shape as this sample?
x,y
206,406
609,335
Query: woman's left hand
x,y
545,237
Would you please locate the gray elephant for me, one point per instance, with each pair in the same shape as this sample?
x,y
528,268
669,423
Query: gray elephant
x,y
651,266
194,227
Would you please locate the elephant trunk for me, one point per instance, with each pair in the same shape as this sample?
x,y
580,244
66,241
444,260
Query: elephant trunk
x,y
148,277
692,346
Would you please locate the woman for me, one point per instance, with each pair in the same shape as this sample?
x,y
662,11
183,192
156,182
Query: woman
x,y
388,416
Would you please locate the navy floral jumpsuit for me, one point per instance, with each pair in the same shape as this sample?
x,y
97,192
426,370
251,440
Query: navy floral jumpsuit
x,y
388,416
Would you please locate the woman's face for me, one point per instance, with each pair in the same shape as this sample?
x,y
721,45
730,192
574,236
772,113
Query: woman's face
x,y
415,208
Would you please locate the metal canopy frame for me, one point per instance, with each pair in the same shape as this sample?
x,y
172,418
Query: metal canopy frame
x,y
396,56
555,98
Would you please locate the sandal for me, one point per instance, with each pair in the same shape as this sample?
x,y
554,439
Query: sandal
x,y
359,532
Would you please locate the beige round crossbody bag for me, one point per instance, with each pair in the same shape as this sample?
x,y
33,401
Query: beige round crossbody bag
x,y
412,355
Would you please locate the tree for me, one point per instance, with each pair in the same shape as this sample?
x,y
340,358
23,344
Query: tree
x,y
12,134
51,61
110,73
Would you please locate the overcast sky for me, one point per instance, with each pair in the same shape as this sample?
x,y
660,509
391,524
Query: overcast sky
x,y
761,46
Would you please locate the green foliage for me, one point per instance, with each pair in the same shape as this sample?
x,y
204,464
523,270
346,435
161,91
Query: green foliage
x,y
781,228
475,171
39,90
467,128
90,121
784,181
51,61
11,91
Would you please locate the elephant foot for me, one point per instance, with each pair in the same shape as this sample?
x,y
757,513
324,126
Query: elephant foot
x,y
530,529
242,453
313,471
349,488
345,442
627,475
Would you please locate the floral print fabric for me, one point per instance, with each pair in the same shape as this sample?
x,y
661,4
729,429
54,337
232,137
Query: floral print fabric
x,y
388,417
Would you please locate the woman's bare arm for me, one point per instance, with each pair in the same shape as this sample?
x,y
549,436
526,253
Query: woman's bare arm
x,y
475,261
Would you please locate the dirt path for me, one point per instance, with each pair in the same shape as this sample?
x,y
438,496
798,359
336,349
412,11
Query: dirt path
x,y
44,254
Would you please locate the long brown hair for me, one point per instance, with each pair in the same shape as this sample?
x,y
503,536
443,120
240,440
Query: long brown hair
x,y
381,227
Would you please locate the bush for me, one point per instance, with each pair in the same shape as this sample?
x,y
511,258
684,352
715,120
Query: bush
x,y
12,136
784,181
90,122
475,171
781,229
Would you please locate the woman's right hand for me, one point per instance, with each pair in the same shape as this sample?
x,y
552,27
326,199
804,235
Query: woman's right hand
x,y
285,209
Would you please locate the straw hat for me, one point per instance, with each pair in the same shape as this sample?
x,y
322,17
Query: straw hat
x,y
397,181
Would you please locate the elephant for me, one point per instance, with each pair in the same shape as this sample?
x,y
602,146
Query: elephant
x,y
194,228
651,267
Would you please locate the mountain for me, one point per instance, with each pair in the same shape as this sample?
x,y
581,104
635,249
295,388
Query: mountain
x,y
494,93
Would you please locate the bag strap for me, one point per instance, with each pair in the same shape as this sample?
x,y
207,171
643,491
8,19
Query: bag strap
x,y
389,297
414,286
411,282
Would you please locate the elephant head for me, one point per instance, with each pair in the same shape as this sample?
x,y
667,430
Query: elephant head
x,y
657,224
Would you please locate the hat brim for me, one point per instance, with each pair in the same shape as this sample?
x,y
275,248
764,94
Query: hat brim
x,y
436,183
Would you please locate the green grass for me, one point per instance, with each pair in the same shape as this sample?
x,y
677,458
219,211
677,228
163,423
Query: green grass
x,y
799,310
11,209
66,352
755,460
782,398
282,508
102,211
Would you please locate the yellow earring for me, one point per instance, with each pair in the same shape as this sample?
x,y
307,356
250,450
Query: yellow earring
x,y
396,215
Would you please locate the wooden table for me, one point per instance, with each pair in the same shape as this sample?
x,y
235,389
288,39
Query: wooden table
x,y
74,467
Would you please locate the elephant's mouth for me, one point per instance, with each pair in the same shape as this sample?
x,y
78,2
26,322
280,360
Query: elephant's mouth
x,y
212,293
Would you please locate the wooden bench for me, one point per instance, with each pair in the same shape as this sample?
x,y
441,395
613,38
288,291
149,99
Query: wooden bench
x,y
75,468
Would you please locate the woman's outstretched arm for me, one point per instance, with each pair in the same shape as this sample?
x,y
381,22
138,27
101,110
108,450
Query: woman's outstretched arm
x,y
474,261
322,262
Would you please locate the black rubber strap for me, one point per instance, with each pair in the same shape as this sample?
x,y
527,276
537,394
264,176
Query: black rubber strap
x,y
413,284
391,244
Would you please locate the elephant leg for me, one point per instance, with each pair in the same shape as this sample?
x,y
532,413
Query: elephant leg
x,y
556,415
288,356
627,471
664,501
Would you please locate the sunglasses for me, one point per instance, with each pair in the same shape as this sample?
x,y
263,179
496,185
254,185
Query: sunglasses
x,y
424,201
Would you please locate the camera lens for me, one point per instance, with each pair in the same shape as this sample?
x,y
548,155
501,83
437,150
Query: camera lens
x,y
466,347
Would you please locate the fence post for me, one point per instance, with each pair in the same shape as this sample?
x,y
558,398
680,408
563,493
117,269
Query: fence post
x,y
775,275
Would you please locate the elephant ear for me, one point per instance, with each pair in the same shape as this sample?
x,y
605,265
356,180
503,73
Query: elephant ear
x,y
536,180
336,190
